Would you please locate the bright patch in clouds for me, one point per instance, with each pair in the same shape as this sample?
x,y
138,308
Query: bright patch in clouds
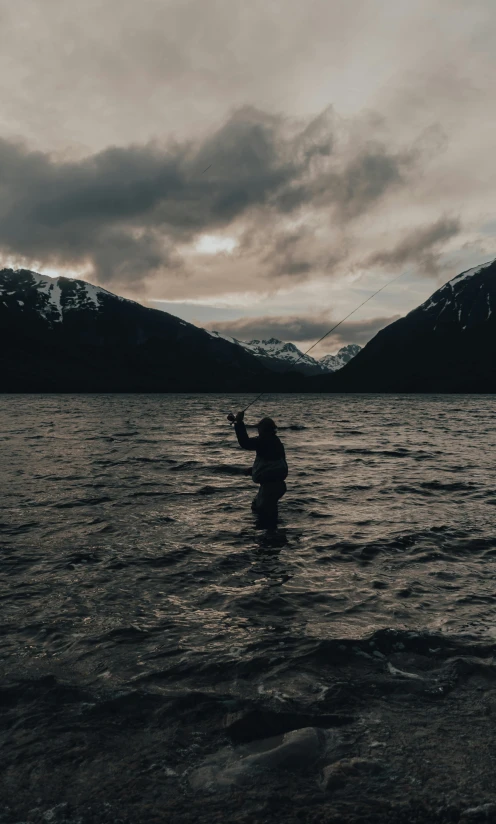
x,y
212,244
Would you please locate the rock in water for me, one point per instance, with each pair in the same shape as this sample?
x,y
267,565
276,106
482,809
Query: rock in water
x,y
294,750
485,812
338,774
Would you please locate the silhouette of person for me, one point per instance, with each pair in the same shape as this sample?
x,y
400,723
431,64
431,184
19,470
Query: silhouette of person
x,y
270,468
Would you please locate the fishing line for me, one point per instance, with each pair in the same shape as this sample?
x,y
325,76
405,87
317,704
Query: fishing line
x,y
331,331
231,416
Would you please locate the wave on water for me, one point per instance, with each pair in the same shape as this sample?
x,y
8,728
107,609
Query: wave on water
x,y
229,469
293,427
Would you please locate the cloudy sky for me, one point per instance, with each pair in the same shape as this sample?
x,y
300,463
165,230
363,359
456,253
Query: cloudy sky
x,y
257,167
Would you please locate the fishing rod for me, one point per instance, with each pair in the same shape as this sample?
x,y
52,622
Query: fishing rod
x,y
231,417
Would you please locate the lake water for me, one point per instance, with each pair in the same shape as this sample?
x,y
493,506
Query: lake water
x,y
130,559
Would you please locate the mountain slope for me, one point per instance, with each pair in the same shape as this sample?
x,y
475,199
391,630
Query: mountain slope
x,y
60,335
445,345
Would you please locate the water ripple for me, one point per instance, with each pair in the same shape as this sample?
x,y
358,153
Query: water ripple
x,y
143,560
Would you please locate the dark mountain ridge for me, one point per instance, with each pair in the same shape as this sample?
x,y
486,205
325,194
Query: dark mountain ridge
x,y
64,335
448,344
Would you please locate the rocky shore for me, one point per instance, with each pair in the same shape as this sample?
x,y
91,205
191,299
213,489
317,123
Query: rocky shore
x,y
396,728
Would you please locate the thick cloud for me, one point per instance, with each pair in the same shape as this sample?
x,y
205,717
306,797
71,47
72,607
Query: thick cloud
x,y
356,186
302,328
124,210
297,253
419,247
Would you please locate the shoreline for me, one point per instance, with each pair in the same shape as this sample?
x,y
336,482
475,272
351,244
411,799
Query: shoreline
x,y
403,731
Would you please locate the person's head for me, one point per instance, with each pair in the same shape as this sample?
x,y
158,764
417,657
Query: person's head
x,y
266,427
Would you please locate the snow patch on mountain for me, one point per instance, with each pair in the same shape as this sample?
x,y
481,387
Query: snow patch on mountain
x,y
469,273
50,286
334,362
280,350
223,337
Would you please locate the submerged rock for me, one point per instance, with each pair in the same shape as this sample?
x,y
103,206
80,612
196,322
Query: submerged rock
x,y
294,750
338,774
485,812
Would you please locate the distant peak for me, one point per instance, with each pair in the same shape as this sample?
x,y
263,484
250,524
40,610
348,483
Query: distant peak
x,y
341,358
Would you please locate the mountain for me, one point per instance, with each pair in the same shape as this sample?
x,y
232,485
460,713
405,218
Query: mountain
x,y
286,357
278,355
58,335
63,335
332,363
282,356
448,344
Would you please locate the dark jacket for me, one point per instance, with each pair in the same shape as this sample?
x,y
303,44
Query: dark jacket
x,y
270,463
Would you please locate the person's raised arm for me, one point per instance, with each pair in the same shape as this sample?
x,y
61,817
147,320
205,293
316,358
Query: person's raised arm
x,y
242,435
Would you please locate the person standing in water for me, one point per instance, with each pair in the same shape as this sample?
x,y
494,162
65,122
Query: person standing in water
x,y
270,469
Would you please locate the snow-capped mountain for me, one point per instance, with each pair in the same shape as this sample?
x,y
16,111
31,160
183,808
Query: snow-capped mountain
x,y
50,298
278,355
287,353
286,357
461,301
448,344
59,334
332,363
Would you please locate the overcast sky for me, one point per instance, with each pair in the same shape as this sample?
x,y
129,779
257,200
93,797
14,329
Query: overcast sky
x,y
260,167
